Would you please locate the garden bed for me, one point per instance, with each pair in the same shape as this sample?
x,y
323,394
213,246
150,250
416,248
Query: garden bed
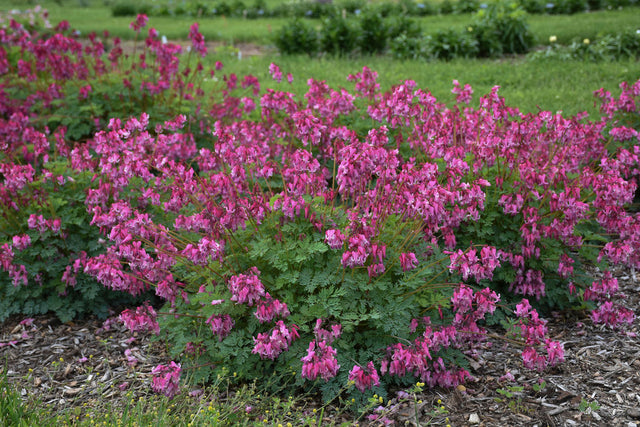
x,y
602,370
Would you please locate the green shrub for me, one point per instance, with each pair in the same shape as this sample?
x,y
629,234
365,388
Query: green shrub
x,y
450,44
446,8
596,4
466,6
399,25
569,7
297,37
405,47
338,36
124,9
533,6
304,9
425,8
502,28
373,33
610,47
221,8
351,7
386,9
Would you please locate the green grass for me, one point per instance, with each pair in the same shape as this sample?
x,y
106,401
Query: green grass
x,y
235,30
218,404
550,85
566,28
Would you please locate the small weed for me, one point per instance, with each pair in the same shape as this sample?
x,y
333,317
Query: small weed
x,y
539,386
513,398
588,407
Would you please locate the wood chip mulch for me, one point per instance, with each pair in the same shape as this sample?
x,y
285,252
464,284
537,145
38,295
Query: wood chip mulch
x,y
82,364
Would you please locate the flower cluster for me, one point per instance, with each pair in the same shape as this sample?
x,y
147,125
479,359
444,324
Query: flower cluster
x,y
467,263
364,378
143,319
319,361
269,346
533,331
246,288
166,379
470,307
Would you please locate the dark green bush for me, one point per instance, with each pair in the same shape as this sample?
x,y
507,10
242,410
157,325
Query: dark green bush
x,y
124,9
446,8
502,28
338,36
534,6
425,8
297,37
596,4
399,25
406,47
304,9
408,7
386,9
450,44
352,7
373,33
569,7
222,9
466,6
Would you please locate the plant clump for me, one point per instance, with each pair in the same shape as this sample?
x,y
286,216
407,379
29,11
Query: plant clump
x,y
345,240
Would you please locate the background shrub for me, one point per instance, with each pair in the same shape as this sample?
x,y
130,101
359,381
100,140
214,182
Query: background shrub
x,y
124,9
297,37
501,29
403,25
405,47
450,44
374,33
338,35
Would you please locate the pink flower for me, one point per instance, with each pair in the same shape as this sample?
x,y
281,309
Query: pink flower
x,y
275,72
246,288
197,40
221,325
319,361
408,261
85,91
555,352
131,359
166,379
139,23
334,238
364,379
27,322
463,96
532,360
143,319
268,308
269,346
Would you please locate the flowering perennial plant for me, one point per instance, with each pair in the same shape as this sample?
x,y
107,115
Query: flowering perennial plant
x,y
358,238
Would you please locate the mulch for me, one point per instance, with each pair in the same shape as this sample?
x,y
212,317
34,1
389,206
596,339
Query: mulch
x,y
79,364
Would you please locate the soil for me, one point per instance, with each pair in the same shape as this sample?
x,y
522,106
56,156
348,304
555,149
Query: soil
x,y
598,384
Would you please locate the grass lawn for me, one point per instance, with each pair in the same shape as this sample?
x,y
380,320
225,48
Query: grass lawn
x,y
549,85
96,17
